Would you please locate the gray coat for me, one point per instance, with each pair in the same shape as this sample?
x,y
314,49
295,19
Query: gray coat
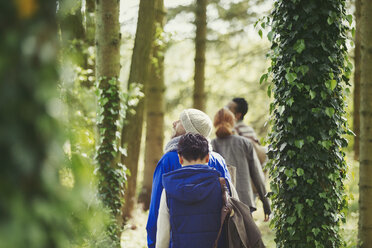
x,y
239,152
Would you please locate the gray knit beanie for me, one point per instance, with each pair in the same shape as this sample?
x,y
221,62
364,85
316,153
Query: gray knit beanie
x,y
196,121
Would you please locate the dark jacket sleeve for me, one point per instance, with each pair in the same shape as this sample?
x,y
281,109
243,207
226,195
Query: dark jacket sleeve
x,y
257,175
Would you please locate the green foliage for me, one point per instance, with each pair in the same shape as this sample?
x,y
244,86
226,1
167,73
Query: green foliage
x,y
112,110
112,175
309,66
44,197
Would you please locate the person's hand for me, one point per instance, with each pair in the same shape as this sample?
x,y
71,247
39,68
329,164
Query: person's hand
x,y
267,217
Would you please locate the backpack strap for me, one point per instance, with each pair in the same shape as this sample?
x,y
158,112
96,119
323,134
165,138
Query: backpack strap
x,y
226,207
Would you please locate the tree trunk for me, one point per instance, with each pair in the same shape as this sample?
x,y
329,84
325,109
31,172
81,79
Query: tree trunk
x,y
154,107
108,70
356,117
365,173
199,95
139,70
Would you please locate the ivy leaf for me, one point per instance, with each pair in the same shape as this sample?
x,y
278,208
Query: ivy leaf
x,y
291,219
291,153
269,91
288,172
299,143
299,208
310,202
315,231
290,76
290,101
299,46
349,18
310,138
329,20
323,95
312,94
300,172
283,146
260,33
310,181
290,119
270,36
263,78
303,69
331,84
326,144
330,111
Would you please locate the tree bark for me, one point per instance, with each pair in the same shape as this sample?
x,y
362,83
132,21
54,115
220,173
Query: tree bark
x,y
199,95
108,69
155,106
139,70
365,173
356,117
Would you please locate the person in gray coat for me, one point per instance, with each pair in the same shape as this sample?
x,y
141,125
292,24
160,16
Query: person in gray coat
x,y
238,151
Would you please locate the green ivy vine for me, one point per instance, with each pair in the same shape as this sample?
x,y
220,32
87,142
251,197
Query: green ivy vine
x,y
113,107
310,71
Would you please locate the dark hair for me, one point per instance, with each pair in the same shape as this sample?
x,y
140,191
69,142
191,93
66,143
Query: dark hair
x,y
193,146
241,106
224,123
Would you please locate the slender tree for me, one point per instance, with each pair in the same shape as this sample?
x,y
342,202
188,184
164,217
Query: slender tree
x,y
309,55
365,170
154,107
112,177
138,75
356,116
199,95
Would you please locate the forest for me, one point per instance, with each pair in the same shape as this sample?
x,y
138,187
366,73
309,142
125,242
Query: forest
x,y
90,91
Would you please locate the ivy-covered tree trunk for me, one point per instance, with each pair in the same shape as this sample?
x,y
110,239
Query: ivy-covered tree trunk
x,y
356,102
138,75
307,162
154,107
365,170
112,175
199,95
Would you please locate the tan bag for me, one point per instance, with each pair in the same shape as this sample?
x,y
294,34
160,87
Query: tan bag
x,y
260,151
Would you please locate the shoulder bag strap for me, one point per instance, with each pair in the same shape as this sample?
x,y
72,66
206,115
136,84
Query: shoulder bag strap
x,y
226,208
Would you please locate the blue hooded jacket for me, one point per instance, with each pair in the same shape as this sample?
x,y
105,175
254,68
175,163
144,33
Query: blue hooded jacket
x,y
170,162
194,200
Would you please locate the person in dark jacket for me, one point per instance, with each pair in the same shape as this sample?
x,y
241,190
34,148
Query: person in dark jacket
x,y
190,121
191,202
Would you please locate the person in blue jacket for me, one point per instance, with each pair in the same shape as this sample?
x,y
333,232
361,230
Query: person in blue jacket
x,y
190,121
191,201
